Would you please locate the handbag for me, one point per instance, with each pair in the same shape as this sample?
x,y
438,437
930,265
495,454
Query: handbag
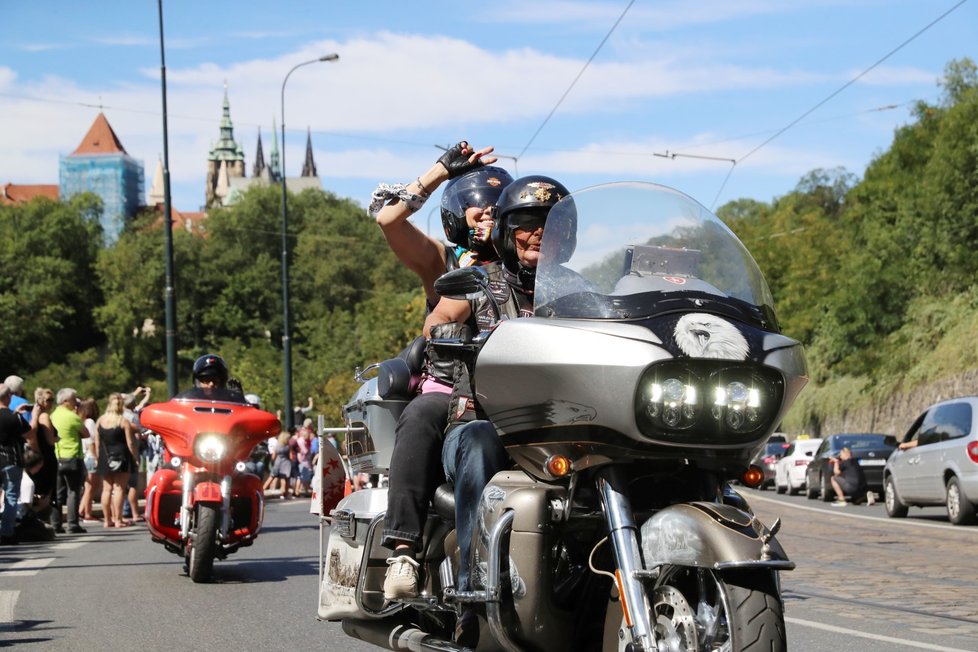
x,y
70,465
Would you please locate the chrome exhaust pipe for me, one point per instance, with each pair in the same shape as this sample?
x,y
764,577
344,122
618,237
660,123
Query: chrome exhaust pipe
x,y
399,636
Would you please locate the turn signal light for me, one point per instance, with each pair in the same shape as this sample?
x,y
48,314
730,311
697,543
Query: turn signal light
x,y
752,477
557,466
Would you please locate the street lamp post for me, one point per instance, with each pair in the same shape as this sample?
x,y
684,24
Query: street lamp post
x,y
286,328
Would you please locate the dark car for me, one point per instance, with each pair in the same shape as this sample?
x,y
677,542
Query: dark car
x,y
869,449
767,458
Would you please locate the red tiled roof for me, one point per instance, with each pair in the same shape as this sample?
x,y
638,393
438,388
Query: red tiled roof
x,y
181,219
20,193
100,139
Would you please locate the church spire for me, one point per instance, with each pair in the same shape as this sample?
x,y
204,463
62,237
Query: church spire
x,y
309,167
273,157
259,158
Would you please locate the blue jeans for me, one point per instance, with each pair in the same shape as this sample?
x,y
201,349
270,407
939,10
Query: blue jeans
x,y
10,476
472,455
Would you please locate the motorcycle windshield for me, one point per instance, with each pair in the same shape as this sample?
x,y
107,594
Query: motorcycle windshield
x,y
630,250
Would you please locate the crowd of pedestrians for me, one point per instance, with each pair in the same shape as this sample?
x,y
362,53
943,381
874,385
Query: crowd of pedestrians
x,y
60,458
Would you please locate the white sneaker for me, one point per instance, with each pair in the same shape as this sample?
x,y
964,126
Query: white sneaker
x,y
870,499
402,578
839,503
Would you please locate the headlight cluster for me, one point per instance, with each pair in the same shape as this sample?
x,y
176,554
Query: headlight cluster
x,y
210,448
707,401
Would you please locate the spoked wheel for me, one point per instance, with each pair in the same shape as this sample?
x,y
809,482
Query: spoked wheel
x,y
204,543
718,611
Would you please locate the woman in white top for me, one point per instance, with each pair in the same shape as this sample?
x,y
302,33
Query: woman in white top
x,y
88,411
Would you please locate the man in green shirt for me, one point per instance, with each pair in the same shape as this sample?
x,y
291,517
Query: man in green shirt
x,y
71,460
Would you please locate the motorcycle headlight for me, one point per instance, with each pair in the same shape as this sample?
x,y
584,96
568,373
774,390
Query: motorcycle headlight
x,y
210,448
707,401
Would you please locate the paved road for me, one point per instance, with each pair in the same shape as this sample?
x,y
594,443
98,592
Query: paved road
x,y
111,590
888,584
864,583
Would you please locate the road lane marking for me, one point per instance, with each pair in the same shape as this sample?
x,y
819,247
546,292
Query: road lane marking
x,y
26,567
8,600
876,519
876,637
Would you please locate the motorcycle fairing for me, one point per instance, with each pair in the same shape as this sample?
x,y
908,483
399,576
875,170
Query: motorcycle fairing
x,y
708,535
586,373
163,497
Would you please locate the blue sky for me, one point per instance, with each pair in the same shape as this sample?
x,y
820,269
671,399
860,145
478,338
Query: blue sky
x,y
703,80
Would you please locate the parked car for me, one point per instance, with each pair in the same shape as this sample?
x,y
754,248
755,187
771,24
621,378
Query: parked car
x,y
869,449
941,466
789,472
766,458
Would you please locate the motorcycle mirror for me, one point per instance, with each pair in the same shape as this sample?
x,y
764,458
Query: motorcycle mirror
x,y
464,284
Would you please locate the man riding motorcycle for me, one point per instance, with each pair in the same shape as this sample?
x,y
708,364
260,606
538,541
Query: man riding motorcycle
x,y
211,381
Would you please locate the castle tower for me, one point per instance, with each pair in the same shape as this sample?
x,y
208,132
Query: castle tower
x,y
226,151
156,190
273,157
309,167
101,165
260,167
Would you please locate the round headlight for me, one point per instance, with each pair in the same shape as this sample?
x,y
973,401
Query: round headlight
x,y
210,448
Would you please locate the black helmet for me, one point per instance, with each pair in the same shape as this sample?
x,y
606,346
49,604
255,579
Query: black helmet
x,y
523,202
211,366
480,188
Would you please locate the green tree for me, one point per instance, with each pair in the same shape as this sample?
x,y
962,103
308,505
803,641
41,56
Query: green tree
x,y
50,289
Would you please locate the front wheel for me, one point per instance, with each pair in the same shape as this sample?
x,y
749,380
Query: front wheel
x,y
894,506
701,609
204,543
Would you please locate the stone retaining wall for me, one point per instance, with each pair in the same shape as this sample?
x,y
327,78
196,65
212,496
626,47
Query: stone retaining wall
x,y
896,414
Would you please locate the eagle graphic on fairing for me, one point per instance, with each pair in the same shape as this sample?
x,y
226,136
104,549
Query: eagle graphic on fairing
x,y
549,413
699,335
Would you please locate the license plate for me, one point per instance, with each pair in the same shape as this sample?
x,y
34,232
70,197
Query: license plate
x,y
872,462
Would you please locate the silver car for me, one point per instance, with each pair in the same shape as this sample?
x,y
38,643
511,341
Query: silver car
x,y
937,462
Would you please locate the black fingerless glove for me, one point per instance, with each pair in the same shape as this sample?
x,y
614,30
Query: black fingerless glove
x,y
457,162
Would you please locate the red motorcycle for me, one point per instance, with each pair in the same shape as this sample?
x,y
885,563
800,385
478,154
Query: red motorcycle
x,y
201,504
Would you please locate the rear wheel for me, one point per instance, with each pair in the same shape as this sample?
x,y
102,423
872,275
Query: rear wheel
x,y
960,510
735,611
792,489
810,492
894,506
780,488
203,547
828,493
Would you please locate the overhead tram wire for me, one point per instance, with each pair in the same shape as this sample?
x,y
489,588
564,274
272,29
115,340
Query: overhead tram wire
x,y
569,88
834,93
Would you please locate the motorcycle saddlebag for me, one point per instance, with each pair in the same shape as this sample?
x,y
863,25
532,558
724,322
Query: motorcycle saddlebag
x,y
349,552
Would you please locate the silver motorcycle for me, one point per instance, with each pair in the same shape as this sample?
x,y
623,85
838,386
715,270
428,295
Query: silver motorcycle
x,y
650,373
